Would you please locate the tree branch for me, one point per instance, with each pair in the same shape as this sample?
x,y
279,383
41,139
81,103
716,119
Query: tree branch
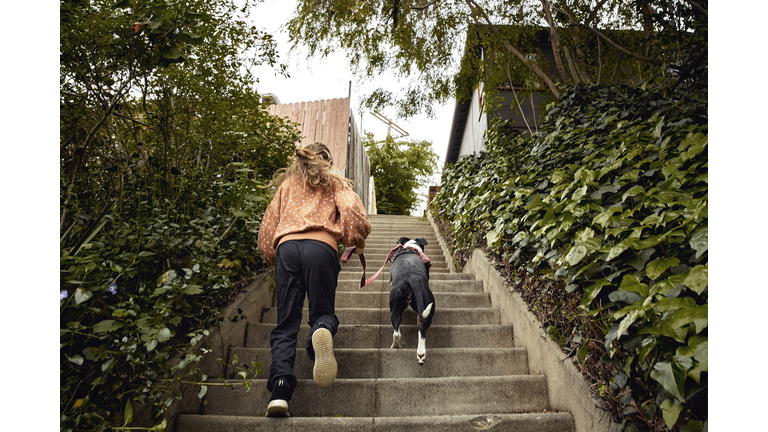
x,y
555,40
425,6
571,64
605,38
552,87
593,14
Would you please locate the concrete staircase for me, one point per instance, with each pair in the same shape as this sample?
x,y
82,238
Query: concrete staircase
x,y
474,377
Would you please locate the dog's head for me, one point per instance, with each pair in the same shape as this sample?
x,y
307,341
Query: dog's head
x,y
419,243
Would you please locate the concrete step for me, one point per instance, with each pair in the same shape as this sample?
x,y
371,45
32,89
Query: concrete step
x,y
528,422
401,363
380,336
389,397
434,275
388,242
374,265
379,299
378,255
436,286
357,271
380,316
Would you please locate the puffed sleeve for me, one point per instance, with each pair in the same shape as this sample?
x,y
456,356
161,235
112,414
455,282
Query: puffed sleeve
x,y
269,226
353,219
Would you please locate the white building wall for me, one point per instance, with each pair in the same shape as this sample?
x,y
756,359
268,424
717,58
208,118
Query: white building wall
x,y
477,124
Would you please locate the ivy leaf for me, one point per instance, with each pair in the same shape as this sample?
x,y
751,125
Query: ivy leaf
x,y
576,254
671,378
698,315
632,284
658,266
624,296
698,278
666,285
107,326
592,244
603,218
635,312
670,410
699,241
635,190
617,250
492,238
701,354
662,328
76,359
642,257
592,291
151,345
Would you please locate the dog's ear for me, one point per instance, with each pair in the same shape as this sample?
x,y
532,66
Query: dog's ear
x,y
422,242
403,240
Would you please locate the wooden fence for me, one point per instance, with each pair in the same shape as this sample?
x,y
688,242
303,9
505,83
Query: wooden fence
x,y
326,121
331,122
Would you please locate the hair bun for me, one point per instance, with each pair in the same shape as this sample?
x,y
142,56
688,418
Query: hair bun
x,y
303,153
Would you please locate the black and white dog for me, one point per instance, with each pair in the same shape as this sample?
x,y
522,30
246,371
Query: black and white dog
x,y
409,276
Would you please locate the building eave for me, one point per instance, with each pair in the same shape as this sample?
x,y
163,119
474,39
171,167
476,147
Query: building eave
x,y
458,124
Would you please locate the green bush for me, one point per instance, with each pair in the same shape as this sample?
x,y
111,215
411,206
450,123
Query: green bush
x,y
610,200
138,290
164,149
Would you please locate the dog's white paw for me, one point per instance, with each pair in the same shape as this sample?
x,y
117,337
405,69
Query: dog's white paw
x,y
395,339
421,351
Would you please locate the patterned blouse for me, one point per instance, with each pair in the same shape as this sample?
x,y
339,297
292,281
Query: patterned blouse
x,y
298,209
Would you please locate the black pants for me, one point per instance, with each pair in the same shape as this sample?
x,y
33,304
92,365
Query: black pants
x,y
302,267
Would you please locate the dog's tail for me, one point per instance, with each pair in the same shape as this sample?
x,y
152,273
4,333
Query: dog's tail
x,y
427,311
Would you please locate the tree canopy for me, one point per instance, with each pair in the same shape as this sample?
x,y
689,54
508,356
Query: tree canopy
x,y
430,44
399,169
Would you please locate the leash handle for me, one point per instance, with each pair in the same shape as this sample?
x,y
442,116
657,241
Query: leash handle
x,y
345,259
373,278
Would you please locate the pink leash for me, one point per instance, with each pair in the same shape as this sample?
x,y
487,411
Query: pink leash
x,y
363,283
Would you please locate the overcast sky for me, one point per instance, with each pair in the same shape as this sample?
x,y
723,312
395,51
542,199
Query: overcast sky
x,y
329,78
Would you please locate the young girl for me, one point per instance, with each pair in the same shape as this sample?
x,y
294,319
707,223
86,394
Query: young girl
x,y
313,210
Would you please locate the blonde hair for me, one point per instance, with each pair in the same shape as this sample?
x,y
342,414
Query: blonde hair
x,y
312,164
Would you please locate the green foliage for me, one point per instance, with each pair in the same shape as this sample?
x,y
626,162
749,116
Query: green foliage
x,y
164,152
399,169
611,198
434,48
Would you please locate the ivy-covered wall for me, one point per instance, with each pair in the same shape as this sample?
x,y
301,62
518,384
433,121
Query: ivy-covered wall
x,y
607,204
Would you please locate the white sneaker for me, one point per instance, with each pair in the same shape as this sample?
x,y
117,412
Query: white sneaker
x,y
325,368
277,408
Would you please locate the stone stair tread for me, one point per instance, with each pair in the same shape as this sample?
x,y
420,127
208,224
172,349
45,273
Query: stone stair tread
x,y
384,397
435,286
363,298
380,336
380,316
346,275
401,363
521,422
